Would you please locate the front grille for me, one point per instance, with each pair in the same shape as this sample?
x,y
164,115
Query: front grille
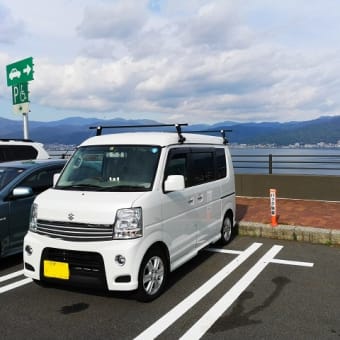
x,y
71,231
85,267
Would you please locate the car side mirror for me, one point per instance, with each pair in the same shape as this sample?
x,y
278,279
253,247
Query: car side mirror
x,y
174,183
20,192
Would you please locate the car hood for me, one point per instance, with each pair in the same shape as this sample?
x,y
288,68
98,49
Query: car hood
x,y
83,206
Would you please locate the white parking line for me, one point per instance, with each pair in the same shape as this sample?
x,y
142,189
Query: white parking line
x,y
11,276
209,318
224,251
168,319
15,285
293,263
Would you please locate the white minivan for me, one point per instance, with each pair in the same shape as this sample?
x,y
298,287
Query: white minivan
x,y
129,208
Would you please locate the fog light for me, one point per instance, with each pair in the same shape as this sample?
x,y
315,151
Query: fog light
x,y
29,267
28,250
120,259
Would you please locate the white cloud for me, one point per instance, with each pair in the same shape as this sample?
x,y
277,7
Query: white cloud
x,y
193,60
117,20
10,28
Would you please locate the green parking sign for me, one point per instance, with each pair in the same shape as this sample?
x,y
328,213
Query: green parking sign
x,y
20,93
20,71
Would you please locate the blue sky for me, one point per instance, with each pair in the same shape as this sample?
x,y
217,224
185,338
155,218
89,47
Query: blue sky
x,y
174,61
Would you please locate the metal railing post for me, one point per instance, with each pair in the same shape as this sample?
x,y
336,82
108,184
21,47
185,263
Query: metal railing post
x,y
270,164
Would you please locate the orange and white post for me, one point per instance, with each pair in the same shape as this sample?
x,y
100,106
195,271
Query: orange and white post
x,y
273,212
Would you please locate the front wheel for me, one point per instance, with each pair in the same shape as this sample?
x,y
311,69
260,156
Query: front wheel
x,y
227,230
152,275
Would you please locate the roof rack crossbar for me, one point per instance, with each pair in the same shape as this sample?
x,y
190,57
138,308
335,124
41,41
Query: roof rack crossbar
x,y
15,140
181,139
222,132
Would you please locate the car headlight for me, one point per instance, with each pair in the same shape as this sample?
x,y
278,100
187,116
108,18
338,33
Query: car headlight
x,y
128,224
34,217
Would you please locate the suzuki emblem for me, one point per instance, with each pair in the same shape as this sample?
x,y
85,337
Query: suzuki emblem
x,y
70,216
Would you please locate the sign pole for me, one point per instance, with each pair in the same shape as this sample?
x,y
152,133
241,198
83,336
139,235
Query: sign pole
x,y
25,117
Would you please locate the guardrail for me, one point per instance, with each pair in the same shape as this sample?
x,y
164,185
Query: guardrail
x,y
318,164
63,154
270,163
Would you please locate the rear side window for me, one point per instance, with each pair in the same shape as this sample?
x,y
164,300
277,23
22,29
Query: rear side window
x,y
202,168
221,164
197,165
17,152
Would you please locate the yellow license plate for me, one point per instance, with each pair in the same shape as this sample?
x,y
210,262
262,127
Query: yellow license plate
x,y
57,270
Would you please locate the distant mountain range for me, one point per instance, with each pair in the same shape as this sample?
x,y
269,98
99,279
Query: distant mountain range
x,y
72,131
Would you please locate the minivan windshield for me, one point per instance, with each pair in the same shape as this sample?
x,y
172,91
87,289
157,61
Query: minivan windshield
x,y
111,168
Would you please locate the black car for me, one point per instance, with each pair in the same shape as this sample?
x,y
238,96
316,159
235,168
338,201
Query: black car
x,y
20,182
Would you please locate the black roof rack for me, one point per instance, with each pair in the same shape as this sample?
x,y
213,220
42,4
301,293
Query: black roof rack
x,y
181,139
15,140
222,132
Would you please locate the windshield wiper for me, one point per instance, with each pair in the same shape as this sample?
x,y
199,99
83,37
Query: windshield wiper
x,y
78,186
91,187
125,188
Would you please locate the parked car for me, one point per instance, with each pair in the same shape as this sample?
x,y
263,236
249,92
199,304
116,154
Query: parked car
x,y
20,149
20,182
129,208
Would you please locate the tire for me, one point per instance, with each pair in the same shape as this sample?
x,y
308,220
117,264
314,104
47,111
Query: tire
x,y
153,274
226,230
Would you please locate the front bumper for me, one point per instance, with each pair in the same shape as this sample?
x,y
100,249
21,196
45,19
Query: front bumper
x,y
87,261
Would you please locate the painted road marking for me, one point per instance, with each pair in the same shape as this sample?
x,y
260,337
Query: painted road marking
x,y
209,318
293,263
214,313
224,251
11,276
169,318
15,285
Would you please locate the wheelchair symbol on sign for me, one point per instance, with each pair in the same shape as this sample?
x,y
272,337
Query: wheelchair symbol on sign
x,y
23,97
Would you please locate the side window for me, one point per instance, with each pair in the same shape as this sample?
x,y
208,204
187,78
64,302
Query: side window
x,y
18,152
201,167
221,165
40,180
177,165
197,165
2,154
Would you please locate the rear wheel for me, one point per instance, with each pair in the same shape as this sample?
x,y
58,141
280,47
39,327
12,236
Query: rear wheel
x,y
152,275
227,230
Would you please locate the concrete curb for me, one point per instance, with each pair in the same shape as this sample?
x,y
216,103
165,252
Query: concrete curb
x,y
291,233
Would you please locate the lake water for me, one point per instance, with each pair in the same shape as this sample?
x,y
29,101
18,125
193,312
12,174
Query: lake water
x,y
286,161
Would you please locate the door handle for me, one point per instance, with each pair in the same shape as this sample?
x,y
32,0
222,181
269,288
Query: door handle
x,y
200,198
191,200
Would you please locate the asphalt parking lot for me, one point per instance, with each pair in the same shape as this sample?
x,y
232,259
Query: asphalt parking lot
x,y
253,288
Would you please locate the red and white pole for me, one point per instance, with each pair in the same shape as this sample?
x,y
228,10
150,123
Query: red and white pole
x,y
273,211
